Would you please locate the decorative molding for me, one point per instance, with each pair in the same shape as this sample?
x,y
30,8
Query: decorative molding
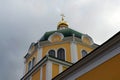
x,y
88,37
65,40
47,43
30,53
55,34
60,61
30,50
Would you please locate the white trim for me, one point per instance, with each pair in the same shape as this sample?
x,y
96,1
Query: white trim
x,y
30,48
88,37
74,54
73,37
94,64
30,77
60,68
48,70
41,73
56,61
39,57
56,53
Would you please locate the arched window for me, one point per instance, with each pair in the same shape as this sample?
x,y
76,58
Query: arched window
x,y
33,61
51,53
84,53
61,54
29,65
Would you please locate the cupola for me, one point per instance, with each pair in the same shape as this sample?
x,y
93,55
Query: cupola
x,y
62,24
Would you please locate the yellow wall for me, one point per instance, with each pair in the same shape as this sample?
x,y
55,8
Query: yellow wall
x,y
64,68
81,47
110,70
34,55
55,70
36,75
66,46
44,72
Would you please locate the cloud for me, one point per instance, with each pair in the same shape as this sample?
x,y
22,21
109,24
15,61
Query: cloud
x,y
25,21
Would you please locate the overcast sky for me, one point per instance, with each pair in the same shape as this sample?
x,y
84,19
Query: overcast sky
x,y
25,21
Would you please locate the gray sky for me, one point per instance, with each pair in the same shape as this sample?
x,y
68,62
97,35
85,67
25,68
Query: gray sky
x,y
25,21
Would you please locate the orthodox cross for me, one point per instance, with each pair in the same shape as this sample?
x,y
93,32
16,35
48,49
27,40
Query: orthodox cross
x,y
62,15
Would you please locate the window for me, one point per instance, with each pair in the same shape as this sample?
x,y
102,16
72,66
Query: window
x,y
33,61
61,54
29,65
84,53
51,53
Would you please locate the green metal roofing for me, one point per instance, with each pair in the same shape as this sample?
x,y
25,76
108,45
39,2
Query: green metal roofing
x,y
66,32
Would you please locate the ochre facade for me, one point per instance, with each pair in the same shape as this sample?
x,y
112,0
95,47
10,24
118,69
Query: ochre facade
x,y
36,75
55,68
109,70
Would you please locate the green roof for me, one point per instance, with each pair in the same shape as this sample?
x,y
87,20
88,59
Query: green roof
x,y
66,32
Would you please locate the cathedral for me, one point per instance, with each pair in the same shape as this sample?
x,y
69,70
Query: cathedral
x,y
65,54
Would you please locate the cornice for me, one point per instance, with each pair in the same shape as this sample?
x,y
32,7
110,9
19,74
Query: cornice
x,y
65,40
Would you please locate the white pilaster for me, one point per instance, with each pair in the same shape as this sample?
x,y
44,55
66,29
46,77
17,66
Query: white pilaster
x,y
30,77
60,68
48,70
41,73
39,53
74,55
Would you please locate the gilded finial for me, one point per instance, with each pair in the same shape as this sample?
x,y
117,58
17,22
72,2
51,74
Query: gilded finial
x,y
62,24
62,15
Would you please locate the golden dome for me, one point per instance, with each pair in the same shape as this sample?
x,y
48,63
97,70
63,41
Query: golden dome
x,y
62,24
